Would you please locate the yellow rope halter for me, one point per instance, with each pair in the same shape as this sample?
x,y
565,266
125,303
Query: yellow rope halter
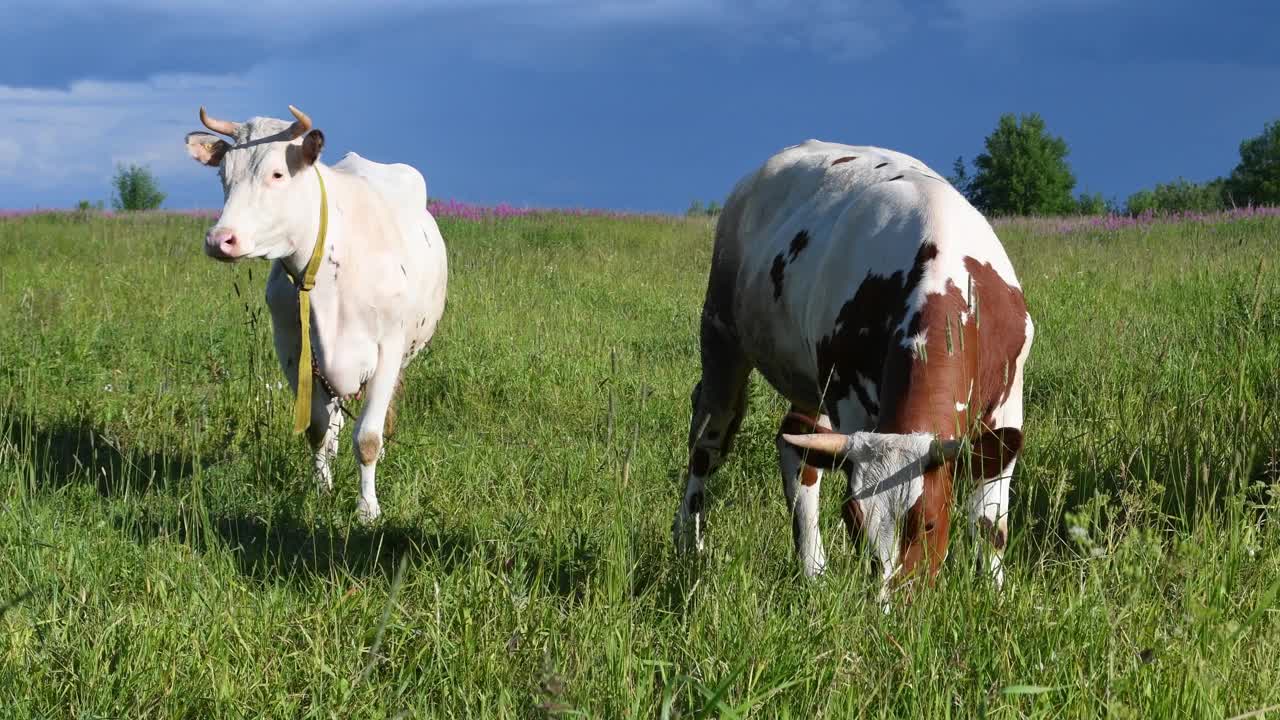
x,y
302,403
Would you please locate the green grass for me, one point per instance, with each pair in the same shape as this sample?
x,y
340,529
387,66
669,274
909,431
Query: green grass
x,y
163,552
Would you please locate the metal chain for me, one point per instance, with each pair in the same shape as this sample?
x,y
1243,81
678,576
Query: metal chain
x,y
333,394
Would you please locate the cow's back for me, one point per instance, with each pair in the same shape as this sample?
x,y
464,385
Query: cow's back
x,y
416,248
825,257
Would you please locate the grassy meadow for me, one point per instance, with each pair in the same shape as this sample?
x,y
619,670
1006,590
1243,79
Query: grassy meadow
x,y
164,552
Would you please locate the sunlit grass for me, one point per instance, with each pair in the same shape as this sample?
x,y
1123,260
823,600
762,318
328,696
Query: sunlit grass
x,y
163,552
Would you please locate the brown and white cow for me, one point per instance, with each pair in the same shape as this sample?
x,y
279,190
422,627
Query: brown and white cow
x,y
380,273
881,304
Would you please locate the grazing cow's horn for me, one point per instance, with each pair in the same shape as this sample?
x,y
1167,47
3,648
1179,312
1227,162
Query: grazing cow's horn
x,y
829,443
299,128
222,127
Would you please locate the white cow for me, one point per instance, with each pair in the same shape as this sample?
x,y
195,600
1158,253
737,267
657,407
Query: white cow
x,y
877,300
379,280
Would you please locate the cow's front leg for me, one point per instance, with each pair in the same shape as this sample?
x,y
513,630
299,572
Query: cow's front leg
x,y
989,517
379,392
802,484
326,423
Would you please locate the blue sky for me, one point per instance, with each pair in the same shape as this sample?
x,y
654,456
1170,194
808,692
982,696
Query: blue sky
x,y
626,104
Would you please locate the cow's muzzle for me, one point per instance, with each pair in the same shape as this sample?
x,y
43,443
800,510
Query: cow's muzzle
x,y
222,244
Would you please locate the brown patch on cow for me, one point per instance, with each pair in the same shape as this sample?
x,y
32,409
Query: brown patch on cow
x,y
809,475
700,465
922,385
775,274
798,422
926,528
996,534
389,425
844,159
867,334
993,450
369,446
1001,318
798,243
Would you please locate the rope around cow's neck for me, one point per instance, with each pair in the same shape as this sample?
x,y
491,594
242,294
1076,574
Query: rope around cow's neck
x,y
302,403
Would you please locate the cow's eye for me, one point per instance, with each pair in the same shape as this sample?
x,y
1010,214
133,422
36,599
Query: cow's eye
x,y
277,175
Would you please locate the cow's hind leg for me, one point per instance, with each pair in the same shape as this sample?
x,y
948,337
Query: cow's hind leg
x,y
802,484
719,402
368,435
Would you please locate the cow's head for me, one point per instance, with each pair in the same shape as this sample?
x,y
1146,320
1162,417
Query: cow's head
x,y
271,201
900,486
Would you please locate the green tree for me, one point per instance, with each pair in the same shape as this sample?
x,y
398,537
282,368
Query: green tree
x,y
1181,195
1093,204
1256,180
960,178
1024,170
135,189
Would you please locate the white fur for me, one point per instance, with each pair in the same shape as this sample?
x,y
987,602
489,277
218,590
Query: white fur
x,y
861,220
380,291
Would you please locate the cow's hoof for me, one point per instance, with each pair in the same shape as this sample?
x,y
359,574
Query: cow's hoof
x,y
367,512
814,567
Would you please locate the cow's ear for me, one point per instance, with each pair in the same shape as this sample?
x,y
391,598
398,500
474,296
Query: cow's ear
x,y
206,149
826,450
993,450
312,145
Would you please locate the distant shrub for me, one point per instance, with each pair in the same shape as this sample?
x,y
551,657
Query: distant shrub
x,y
135,189
1179,196
697,209
1093,204
1256,179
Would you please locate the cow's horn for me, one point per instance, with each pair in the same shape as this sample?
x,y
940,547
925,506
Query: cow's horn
x,y
829,443
222,127
299,128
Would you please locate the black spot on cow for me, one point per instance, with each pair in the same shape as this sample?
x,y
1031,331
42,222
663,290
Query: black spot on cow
x,y
866,333
775,274
845,159
798,243
896,177
695,503
882,165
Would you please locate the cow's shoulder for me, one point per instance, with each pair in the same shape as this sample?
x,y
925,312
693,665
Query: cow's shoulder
x,y
400,185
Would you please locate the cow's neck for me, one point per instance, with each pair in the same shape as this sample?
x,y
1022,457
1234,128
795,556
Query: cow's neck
x,y
308,224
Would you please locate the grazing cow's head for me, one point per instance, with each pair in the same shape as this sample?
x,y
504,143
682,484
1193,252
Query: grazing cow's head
x,y
900,486
269,197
